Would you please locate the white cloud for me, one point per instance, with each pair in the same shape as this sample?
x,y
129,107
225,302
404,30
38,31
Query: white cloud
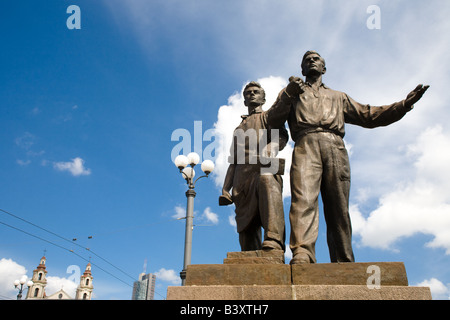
x,y
168,276
10,271
287,254
278,33
23,162
232,220
55,284
207,215
439,291
25,141
35,111
210,216
75,167
180,212
418,205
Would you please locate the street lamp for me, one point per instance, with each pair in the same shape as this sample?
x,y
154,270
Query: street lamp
x,y
18,284
186,165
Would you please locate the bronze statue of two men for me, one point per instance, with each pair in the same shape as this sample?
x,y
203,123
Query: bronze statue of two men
x,y
316,117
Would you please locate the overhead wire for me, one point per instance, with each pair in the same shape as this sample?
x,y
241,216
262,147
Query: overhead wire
x,y
70,250
136,227
64,248
70,241
2,297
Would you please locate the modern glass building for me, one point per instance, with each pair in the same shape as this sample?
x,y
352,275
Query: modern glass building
x,y
144,288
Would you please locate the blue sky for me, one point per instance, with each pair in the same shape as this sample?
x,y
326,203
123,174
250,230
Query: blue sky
x,y
87,118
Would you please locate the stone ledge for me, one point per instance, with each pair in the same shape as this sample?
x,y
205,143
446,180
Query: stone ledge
x,y
297,292
255,257
350,273
256,253
238,274
354,273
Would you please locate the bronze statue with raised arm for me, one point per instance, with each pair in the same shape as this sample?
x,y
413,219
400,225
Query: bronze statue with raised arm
x,y
316,116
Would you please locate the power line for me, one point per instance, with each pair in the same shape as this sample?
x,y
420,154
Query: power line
x,y
71,251
37,237
136,227
108,262
65,239
72,242
5,298
61,247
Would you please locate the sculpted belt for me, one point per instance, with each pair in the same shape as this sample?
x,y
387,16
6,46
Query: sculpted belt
x,y
306,131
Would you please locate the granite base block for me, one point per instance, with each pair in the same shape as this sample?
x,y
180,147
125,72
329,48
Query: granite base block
x,y
238,274
298,292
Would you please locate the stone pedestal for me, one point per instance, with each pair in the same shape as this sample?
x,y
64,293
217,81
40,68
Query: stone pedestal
x,y
260,275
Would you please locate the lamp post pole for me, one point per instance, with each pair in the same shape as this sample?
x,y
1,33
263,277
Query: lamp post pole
x,y
188,173
190,195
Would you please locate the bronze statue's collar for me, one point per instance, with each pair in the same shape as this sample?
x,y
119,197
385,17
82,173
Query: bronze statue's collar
x,y
321,85
255,111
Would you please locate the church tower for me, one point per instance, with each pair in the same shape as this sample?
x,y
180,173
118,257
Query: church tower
x,y
84,290
37,290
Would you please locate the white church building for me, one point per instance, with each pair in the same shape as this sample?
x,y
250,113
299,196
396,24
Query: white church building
x,y
37,289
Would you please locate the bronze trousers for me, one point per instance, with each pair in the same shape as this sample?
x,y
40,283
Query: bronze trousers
x,y
270,216
320,164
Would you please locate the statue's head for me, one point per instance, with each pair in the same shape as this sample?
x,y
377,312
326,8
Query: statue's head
x,y
313,62
254,94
